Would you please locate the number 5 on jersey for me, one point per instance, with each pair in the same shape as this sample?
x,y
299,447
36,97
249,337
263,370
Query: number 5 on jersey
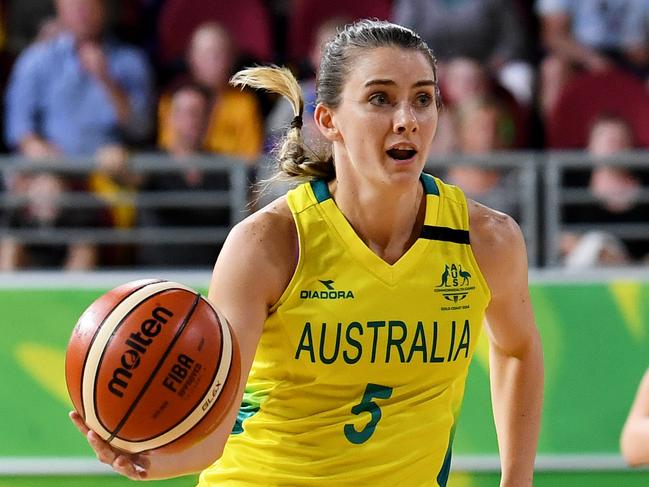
x,y
367,405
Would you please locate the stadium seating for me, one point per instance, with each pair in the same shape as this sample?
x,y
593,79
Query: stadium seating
x,y
589,95
247,20
306,15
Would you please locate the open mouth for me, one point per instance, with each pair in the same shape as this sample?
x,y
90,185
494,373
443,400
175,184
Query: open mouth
x,y
401,154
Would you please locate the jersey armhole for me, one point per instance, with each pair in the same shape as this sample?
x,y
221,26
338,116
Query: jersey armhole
x,y
292,283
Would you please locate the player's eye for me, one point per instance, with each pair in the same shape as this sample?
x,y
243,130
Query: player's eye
x,y
379,99
423,100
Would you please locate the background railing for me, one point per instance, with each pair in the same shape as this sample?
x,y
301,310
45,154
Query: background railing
x,y
540,192
562,172
233,197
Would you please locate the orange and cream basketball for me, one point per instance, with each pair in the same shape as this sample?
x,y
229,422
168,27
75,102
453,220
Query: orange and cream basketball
x,y
152,363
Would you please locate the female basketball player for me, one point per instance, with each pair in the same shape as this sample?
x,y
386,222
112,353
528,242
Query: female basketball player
x,y
358,298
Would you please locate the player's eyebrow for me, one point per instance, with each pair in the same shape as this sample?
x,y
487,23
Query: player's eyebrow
x,y
423,82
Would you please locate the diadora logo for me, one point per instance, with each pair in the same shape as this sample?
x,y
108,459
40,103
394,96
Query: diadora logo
x,y
329,284
455,283
329,292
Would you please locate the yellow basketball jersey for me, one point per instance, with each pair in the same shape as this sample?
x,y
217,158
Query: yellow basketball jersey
x,y
361,367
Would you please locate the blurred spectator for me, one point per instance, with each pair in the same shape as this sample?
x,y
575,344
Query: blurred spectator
x,y
235,125
594,249
81,90
484,126
489,31
116,185
581,102
71,95
5,65
461,80
247,21
635,435
305,16
43,212
188,114
464,79
590,35
615,188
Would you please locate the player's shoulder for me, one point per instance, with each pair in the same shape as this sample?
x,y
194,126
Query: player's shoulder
x,y
487,223
494,235
270,231
260,253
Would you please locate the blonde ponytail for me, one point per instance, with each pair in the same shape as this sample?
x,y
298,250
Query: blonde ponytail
x,y
296,161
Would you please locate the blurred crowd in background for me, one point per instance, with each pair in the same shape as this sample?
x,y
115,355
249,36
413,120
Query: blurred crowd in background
x,y
95,81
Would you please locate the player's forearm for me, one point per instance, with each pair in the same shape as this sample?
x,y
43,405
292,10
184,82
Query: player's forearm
x,y
169,463
517,396
635,441
162,466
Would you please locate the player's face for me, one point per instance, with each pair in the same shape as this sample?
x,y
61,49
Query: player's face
x,y
387,116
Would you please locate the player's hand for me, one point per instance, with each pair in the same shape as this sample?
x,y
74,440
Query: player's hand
x,y
133,466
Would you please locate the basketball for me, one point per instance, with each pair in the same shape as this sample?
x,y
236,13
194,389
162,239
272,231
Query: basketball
x,y
152,363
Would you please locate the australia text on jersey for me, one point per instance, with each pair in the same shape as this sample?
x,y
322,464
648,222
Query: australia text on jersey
x,y
384,342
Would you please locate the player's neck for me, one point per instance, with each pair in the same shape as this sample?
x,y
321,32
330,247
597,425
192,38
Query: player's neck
x,y
388,221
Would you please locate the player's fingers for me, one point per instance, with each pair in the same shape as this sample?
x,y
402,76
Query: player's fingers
x,y
77,420
126,467
132,466
105,453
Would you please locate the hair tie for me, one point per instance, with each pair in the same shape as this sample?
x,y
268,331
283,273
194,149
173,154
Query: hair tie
x,y
296,123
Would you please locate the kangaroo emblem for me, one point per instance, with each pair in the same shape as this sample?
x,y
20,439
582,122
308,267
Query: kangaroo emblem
x,y
445,277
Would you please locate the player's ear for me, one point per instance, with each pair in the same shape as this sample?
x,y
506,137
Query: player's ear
x,y
325,121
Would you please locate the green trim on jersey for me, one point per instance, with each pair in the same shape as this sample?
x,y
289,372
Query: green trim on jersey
x,y
430,186
320,190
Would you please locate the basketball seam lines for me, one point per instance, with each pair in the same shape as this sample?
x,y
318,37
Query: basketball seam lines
x,y
200,399
156,369
110,339
94,336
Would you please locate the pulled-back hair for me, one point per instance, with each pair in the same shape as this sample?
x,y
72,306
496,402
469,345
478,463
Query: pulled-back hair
x,y
296,161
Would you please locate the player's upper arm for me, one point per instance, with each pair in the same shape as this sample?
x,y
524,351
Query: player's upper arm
x,y
499,248
252,270
635,435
